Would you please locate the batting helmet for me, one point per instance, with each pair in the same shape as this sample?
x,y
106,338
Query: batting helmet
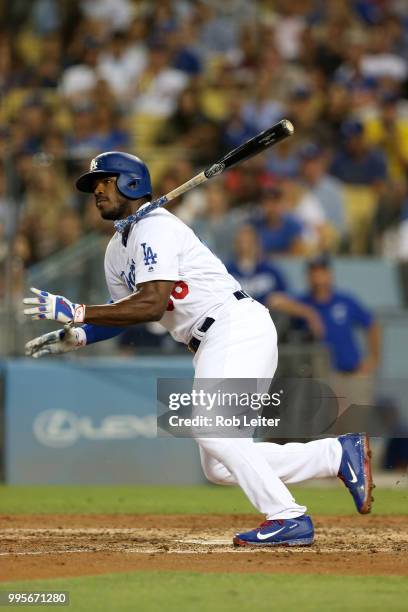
x,y
133,176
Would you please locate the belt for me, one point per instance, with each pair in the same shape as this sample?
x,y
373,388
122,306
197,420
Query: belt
x,y
195,342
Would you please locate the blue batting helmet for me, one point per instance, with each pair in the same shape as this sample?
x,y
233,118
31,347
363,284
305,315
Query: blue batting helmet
x,y
133,176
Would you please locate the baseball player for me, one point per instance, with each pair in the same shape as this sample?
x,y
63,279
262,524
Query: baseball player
x,y
158,270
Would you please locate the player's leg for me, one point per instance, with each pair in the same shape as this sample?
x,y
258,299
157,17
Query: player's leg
x,y
228,463
214,470
242,344
253,474
296,461
292,462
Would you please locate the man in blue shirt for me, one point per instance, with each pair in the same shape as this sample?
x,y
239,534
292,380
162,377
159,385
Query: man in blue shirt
x,y
341,313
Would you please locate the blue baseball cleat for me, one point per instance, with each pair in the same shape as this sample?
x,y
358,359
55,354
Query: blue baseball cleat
x,y
355,469
285,532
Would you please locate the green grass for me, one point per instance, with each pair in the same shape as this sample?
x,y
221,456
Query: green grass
x,y
175,500
176,591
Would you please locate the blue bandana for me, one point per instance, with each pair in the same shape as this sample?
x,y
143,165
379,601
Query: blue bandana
x,y
122,224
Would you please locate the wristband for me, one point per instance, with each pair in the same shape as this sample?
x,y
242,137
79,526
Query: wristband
x,y
81,336
79,313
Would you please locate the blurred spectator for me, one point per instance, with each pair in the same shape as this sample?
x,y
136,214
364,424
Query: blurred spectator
x,y
109,130
33,122
262,110
289,27
23,163
307,209
121,65
183,42
48,69
217,224
278,230
78,80
326,50
341,313
389,131
114,13
69,230
350,71
256,275
159,85
218,32
303,109
44,202
363,170
246,183
336,106
235,129
283,161
183,127
325,188
8,213
380,62
83,142
389,229
46,16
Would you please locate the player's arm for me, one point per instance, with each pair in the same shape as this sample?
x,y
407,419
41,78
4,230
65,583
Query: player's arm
x,y
366,319
371,363
296,308
148,304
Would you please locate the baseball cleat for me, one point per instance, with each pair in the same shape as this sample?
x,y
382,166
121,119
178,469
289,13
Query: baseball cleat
x,y
284,532
355,469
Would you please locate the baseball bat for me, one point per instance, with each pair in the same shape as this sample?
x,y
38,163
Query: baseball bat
x,y
255,145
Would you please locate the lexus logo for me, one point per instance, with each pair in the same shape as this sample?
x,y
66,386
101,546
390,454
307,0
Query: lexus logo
x,y
63,428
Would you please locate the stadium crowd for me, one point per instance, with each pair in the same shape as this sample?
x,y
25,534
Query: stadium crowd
x,y
179,82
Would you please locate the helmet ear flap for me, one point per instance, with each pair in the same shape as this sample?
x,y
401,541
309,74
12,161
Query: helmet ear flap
x,y
128,185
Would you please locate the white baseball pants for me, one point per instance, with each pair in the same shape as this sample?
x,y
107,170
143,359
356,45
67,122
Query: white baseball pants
x,y
242,343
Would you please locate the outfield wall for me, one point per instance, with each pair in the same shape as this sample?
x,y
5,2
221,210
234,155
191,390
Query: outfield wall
x,y
90,421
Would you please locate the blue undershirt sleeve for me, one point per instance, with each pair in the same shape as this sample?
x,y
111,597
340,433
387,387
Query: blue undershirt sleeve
x,y
97,333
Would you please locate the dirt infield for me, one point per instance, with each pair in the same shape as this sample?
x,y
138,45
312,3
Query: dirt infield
x,y
47,546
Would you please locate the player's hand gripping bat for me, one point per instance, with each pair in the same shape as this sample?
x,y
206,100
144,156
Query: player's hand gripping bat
x,y
252,147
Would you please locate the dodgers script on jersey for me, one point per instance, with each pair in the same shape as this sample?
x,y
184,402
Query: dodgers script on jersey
x,y
161,247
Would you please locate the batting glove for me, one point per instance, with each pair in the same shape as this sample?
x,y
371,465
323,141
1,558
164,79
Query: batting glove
x,y
55,307
56,342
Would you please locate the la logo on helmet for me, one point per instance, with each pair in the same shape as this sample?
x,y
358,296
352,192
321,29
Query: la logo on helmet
x,y
94,164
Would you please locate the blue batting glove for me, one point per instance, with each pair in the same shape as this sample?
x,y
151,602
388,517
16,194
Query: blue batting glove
x,y
54,307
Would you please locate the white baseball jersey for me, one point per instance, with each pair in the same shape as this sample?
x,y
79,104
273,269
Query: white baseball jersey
x,y
161,247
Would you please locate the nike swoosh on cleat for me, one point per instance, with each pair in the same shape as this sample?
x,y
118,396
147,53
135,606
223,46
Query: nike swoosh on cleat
x,y
353,474
265,536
